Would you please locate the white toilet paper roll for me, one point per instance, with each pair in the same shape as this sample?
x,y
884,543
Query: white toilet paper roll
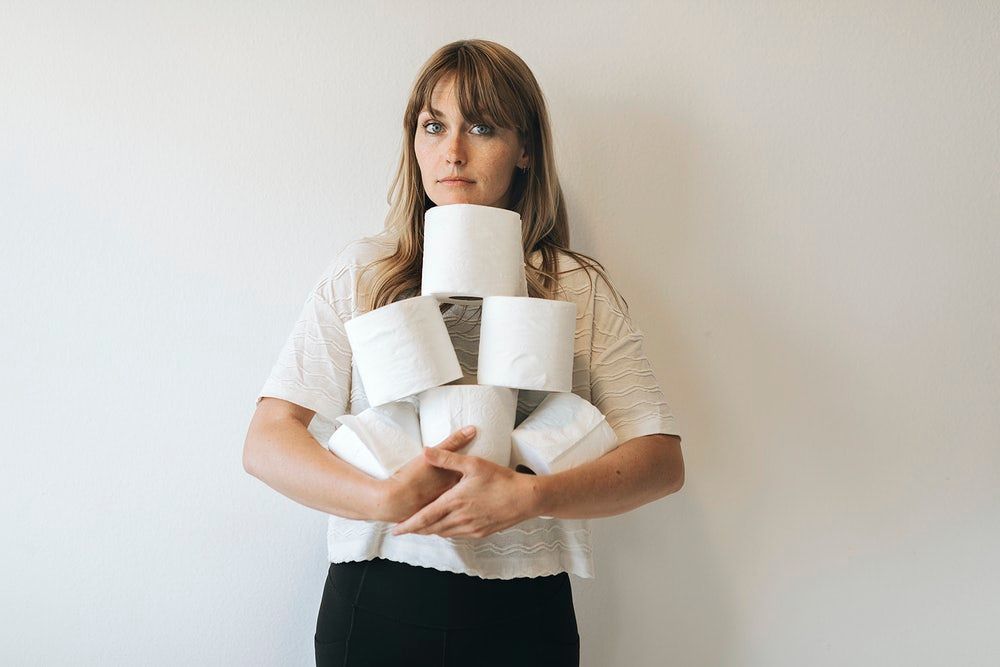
x,y
492,410
379,440
401,349
472,251
527,343
562,432
346,444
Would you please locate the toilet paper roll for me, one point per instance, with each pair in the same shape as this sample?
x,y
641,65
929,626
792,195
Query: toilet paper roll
x,y
444,410
379,440
401,349
527,343
472,251
564,431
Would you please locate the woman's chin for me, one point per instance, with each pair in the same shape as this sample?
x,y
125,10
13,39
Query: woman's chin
x,y
458,199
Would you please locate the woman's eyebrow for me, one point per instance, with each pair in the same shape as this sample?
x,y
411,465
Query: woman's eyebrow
x,y
440,114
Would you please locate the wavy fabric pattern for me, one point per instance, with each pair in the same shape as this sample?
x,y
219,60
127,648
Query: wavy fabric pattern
x,y
315,369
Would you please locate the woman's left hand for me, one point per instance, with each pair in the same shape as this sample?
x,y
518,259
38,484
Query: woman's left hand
x,y
487,499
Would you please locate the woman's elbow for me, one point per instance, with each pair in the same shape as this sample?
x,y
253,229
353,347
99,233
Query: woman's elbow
x,y
674,463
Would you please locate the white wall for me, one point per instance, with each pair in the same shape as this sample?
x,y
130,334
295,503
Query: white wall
x,y
799,199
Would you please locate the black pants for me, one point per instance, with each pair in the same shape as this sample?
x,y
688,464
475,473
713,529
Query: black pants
x,y
380,612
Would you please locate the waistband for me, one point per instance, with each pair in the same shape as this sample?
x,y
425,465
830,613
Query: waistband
x,y
435,598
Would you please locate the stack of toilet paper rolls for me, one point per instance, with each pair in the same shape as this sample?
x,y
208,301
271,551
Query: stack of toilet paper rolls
x,y
411,375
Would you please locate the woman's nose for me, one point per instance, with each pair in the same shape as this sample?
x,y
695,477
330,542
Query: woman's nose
x,y
455,151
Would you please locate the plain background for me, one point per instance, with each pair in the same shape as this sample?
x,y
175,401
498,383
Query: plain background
x,y
800,201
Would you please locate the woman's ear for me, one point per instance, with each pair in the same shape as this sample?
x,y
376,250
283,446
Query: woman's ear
x,y
524,160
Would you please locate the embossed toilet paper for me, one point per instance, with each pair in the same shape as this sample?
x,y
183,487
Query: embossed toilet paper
x,y
527,343
379,440
492,410
472,251
401,349
562,432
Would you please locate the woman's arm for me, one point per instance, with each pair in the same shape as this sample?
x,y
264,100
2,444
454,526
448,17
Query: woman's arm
x,y
636,472
280,451
490,497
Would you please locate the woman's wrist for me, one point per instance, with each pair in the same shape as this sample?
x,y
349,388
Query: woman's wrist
x,y
536,493
382,494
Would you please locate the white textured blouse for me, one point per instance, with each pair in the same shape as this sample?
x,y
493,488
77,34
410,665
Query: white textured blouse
x,y
315,369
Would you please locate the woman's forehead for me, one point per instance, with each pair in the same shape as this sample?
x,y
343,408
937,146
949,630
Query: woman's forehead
x,y
443,107
444,96
435,112
441,96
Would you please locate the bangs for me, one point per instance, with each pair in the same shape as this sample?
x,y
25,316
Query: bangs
x,y
482,93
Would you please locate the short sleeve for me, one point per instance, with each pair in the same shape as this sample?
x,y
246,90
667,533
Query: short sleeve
x,y
623,385
313,368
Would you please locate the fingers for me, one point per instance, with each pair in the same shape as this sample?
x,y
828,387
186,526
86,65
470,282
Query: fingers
x,y
431,513
447,526
457,440
463,463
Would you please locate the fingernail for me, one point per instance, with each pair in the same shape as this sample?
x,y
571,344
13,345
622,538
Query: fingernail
x,y
468,430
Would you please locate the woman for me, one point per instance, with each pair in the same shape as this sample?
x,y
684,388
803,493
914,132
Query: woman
x,y
448,562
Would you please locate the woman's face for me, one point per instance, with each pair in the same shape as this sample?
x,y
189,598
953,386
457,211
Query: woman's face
x,y
447,146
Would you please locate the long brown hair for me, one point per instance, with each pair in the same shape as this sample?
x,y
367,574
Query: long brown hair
x,y
491,84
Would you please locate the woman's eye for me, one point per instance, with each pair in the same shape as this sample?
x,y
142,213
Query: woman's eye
x,y
486,128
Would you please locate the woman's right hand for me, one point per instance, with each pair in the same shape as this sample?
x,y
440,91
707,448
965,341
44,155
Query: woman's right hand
x,y
418,482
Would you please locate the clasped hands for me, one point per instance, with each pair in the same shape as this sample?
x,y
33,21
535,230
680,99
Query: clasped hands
x,y
449,494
